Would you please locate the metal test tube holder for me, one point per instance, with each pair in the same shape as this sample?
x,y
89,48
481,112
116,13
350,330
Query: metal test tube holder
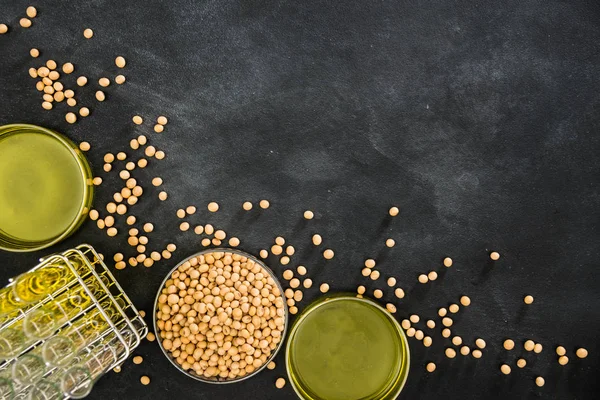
x,y
93,267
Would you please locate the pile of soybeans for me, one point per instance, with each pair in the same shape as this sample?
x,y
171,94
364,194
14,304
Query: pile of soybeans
x,y
221,315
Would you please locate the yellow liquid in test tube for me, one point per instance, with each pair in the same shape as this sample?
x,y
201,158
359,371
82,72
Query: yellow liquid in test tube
x,y
8,303
35,285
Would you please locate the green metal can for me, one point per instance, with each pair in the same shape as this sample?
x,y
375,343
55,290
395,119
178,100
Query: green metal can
x,y
46,188
347,348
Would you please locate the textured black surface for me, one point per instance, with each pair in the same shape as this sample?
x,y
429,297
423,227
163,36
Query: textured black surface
x,y
478,119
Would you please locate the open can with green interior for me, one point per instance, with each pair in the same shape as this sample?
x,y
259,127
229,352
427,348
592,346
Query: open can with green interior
x,y
345,347
46,187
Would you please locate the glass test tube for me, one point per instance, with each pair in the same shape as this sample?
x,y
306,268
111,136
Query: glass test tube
x,y
42,322
78,263
12,341
77,381
6,389
45,390
28,369
61,348
9,305
33,286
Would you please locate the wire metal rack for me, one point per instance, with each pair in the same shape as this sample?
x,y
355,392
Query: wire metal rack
x,y
88,272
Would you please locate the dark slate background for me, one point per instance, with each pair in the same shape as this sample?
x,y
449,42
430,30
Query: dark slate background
x,y
479,119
